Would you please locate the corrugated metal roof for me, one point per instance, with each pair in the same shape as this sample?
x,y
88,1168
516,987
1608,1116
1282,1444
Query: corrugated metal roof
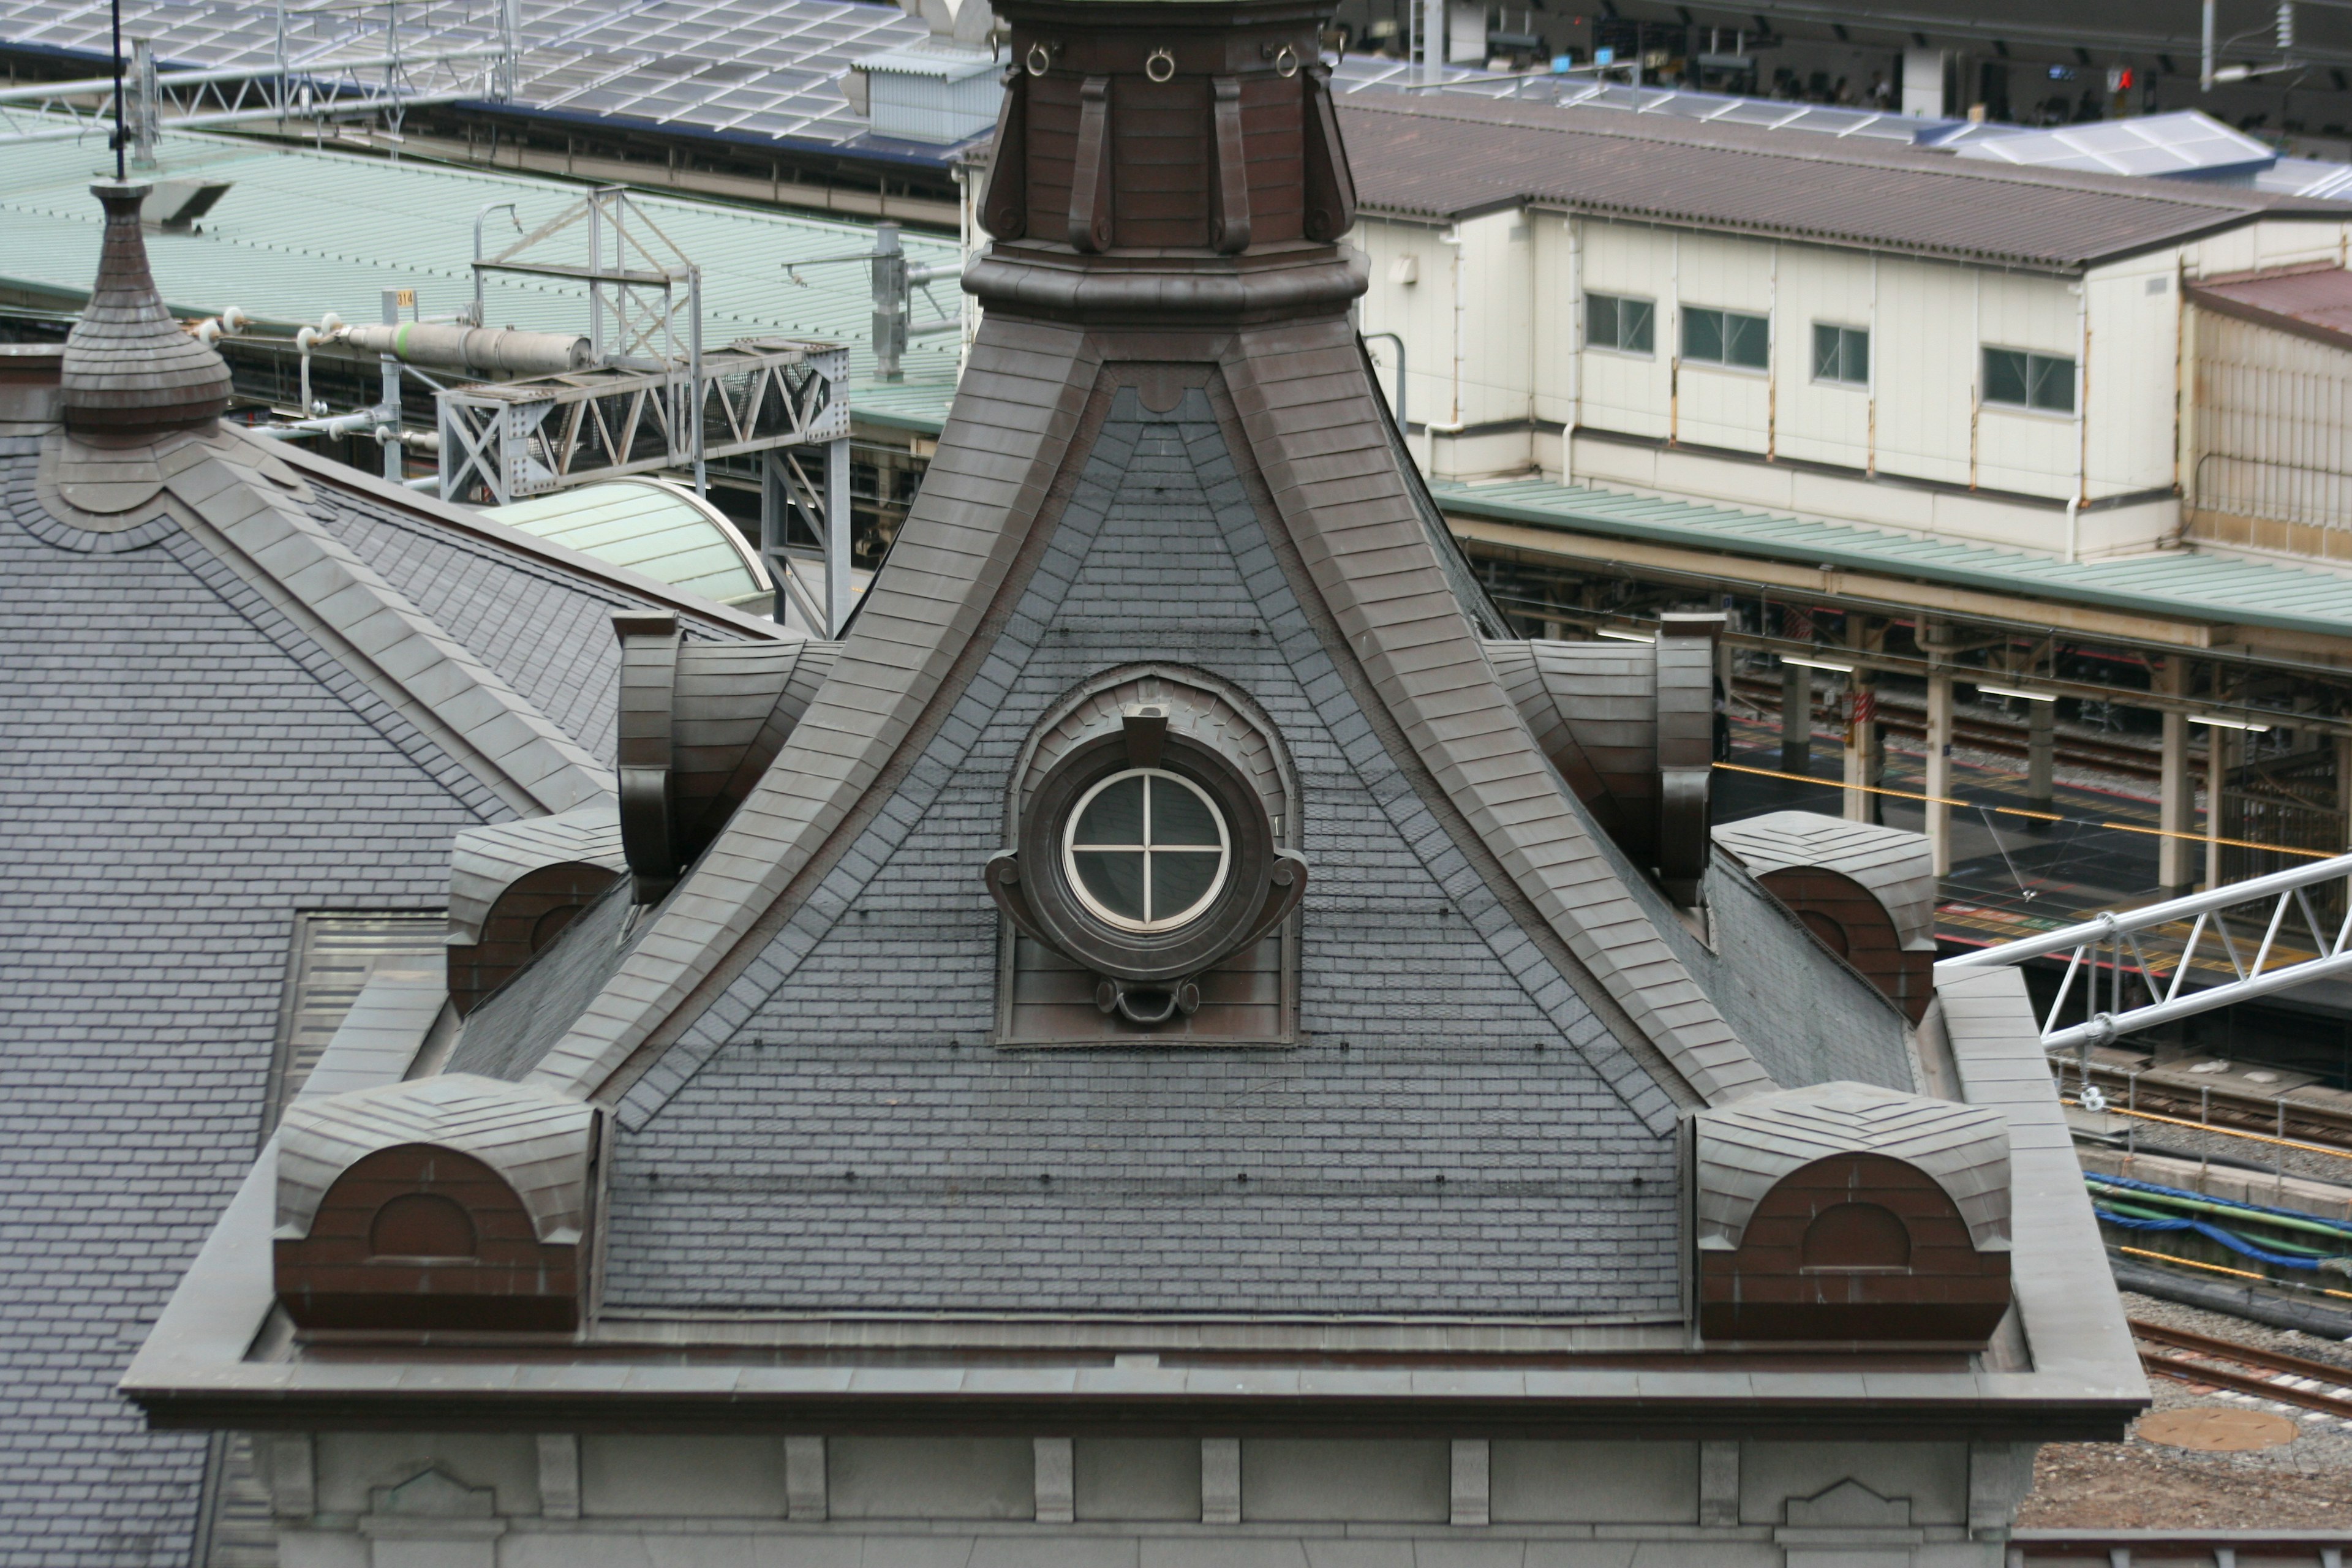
x,y
1421,156
302,232
651,527
2309,301
2184,585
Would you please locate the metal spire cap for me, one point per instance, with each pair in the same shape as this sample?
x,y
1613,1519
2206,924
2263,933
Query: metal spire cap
x,y
129,366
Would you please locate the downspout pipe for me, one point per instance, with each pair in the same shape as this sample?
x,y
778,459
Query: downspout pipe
x,y
2073,523
1451,237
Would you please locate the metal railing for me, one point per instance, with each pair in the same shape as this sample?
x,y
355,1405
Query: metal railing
x,y
2128,972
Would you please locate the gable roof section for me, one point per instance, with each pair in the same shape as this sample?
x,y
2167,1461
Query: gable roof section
x,y
1444,159
1347,501
436,682
1012,426
537,612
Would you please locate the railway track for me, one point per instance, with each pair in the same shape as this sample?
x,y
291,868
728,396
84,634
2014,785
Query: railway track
x,y
2293,1116
2224,1364
2007,741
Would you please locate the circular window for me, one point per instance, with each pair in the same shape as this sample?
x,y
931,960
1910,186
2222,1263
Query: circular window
x,y
1146,850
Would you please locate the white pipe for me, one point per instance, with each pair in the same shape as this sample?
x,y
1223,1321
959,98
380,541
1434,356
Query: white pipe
x,y
339,424
2073,516
1452,236
507,349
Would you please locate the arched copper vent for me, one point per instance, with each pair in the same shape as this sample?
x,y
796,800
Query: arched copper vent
x,y
1631,727
699,723
1844,1214
130,370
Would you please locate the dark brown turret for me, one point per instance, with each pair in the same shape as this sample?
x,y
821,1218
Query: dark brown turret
x,y
130,369
1166,162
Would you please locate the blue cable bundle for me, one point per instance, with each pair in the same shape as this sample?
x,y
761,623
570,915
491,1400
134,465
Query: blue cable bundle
x,y
2235,1242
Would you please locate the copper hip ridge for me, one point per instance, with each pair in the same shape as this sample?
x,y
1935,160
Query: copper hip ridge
x,y
1035,281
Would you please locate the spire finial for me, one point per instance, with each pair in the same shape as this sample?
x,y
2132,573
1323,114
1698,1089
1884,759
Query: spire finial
x,y
129,366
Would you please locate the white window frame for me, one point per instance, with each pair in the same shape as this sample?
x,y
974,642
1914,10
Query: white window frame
x,y
1071,849
1870,348
1985,398
1585,306
1681,330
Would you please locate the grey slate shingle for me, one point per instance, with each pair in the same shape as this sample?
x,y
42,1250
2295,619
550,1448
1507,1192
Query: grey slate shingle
x,y
1466,1057
181,769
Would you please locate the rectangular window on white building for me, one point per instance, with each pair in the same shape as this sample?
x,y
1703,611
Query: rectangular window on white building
x,y
2024,380
1725,337
1612,321
1841,355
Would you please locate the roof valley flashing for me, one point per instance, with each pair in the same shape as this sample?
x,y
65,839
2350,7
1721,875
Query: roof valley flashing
x,y
1161,928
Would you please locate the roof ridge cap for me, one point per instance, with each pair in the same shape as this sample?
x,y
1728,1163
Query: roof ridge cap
x,y
403,655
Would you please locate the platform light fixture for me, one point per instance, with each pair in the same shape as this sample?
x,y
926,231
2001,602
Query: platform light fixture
x,y
1613,633
2013,691
2218,723
1817,664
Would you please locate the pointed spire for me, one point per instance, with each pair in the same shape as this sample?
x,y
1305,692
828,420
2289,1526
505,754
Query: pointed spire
x,y
129,366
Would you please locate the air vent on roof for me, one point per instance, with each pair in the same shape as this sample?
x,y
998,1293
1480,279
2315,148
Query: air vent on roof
x,y
174,206
928,92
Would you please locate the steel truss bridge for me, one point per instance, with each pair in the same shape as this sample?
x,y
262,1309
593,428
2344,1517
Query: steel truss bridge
x,y
359,69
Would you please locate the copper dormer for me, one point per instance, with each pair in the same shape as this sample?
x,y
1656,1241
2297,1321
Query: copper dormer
x,y
129,366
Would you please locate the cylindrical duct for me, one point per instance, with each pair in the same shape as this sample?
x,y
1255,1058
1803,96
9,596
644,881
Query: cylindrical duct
x,y
502,348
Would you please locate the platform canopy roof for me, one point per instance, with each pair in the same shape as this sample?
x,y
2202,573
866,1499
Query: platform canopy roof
x,y
301,232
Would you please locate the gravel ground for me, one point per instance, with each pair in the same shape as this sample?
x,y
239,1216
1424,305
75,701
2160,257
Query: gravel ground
x,y
2136,1484
2186,1142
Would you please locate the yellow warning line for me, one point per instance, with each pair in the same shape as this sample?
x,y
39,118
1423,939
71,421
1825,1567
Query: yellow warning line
x,y
2209,1127
2021,811
2234,1273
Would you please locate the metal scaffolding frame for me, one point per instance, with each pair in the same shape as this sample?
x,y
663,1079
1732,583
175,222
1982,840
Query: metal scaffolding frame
x,y
657,399
294,86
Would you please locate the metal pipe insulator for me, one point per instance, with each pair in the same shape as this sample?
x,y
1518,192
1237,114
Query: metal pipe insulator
x,y
500,348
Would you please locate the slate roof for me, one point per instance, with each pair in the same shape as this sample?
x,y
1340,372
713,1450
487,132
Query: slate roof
x,y
1445,157
211,719
833,1123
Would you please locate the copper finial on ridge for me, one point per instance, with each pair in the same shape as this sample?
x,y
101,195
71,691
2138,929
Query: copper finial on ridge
x,y
129,366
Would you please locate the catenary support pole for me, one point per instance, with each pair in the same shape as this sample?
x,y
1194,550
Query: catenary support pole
x,y
1939,765
1861,728
838,532
2041,755
2176,801
2217,778
1796,719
